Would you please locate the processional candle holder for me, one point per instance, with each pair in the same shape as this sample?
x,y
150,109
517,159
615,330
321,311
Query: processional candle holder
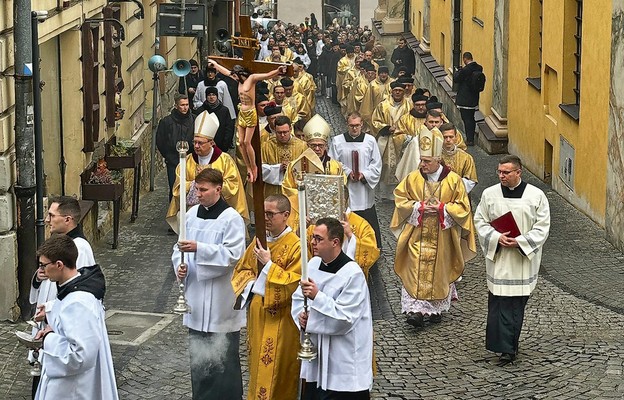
x,y
182,306
308,351
33,344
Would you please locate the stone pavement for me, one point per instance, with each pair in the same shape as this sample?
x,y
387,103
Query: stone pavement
x,y
572,344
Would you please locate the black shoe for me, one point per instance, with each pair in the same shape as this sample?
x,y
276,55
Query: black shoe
x,y
506,358
435,318
415,319
170,231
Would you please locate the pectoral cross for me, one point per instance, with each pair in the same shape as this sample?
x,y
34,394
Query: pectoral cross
x,y
248,44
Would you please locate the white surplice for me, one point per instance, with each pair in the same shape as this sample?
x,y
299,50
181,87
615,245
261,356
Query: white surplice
x,y
513,271
361,195
77,361
220,244
340,324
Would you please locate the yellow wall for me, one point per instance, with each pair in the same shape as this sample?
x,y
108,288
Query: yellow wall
x,y
416,22
479,40
441,25
535,117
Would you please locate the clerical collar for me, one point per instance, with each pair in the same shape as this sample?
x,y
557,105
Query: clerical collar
x,y
213,211
515,192
441,173
69,280
272,239
450,152
359,138
334,266
76,232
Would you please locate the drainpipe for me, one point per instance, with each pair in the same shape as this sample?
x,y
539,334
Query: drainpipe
x,y
62,164
456,34
25,186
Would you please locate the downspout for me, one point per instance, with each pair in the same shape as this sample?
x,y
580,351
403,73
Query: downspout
x,y
456,34
62,164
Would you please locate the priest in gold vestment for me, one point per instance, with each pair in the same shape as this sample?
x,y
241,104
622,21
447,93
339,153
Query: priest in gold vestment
x,y
433,224
361,88
277,152
457,159
345,64
378,92
390,140
207,155
296,100
272,336
314,160
304,82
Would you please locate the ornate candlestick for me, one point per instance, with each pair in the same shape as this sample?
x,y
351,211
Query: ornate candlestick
x,y
308,351
182,146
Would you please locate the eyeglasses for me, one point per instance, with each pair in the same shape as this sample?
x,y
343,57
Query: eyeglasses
x,y
200,143
317,145
317,238
271,214
354,125
505,173
42,265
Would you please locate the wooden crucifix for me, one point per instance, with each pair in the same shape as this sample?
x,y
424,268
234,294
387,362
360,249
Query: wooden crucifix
x,y
249,44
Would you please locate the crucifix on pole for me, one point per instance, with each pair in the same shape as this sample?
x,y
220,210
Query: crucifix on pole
x,y
248,44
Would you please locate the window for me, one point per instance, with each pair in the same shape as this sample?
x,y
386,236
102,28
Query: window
x,y
114,83
535,44
572,82
90,86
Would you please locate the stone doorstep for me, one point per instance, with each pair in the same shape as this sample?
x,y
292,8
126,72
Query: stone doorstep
x,y
489,142
132,328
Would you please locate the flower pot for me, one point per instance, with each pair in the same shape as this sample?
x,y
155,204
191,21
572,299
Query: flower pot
x,y
121,162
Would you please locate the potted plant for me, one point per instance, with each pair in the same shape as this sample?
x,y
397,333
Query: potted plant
x,y
99,183
122,154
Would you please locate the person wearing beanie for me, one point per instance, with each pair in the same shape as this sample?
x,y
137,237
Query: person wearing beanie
x,y
191,80
225,133
211,79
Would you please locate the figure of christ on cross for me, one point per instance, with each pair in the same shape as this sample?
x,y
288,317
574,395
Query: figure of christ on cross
x,y
247,116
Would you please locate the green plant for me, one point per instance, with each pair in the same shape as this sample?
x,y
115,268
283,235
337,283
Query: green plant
x,y
104,176
122,148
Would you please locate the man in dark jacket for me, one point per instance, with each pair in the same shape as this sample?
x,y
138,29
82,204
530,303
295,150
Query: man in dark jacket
x,y
467,99
403,56
173,128
191,80
225,133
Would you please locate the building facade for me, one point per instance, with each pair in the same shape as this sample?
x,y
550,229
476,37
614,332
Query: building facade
x,y
96,87
555,84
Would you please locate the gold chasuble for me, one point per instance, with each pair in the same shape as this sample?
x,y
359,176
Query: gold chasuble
x,y
358,91
378,92
273,154
304,84
364,250
272,336
299,103
386,115
431,249
233,191
308,162
408,124
344,65
461,163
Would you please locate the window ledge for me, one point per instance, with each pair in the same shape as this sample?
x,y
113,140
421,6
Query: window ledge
x,y
573,110
478,21
536,83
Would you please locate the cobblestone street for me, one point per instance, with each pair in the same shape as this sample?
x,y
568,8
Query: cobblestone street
x,y
572,343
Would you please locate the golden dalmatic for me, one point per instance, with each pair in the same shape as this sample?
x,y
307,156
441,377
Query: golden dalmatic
x,y
272,336
345,64
304,84
461,163
273,154
378,92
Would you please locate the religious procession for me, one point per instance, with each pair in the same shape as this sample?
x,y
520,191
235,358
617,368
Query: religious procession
x,y
275,214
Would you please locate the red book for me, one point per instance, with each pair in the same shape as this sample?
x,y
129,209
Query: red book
x,y
506,223
355,162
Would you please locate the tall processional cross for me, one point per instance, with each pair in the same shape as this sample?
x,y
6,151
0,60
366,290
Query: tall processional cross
x,y
249,44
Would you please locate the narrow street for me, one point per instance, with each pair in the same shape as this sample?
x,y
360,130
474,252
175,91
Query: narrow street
x,y
572,344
